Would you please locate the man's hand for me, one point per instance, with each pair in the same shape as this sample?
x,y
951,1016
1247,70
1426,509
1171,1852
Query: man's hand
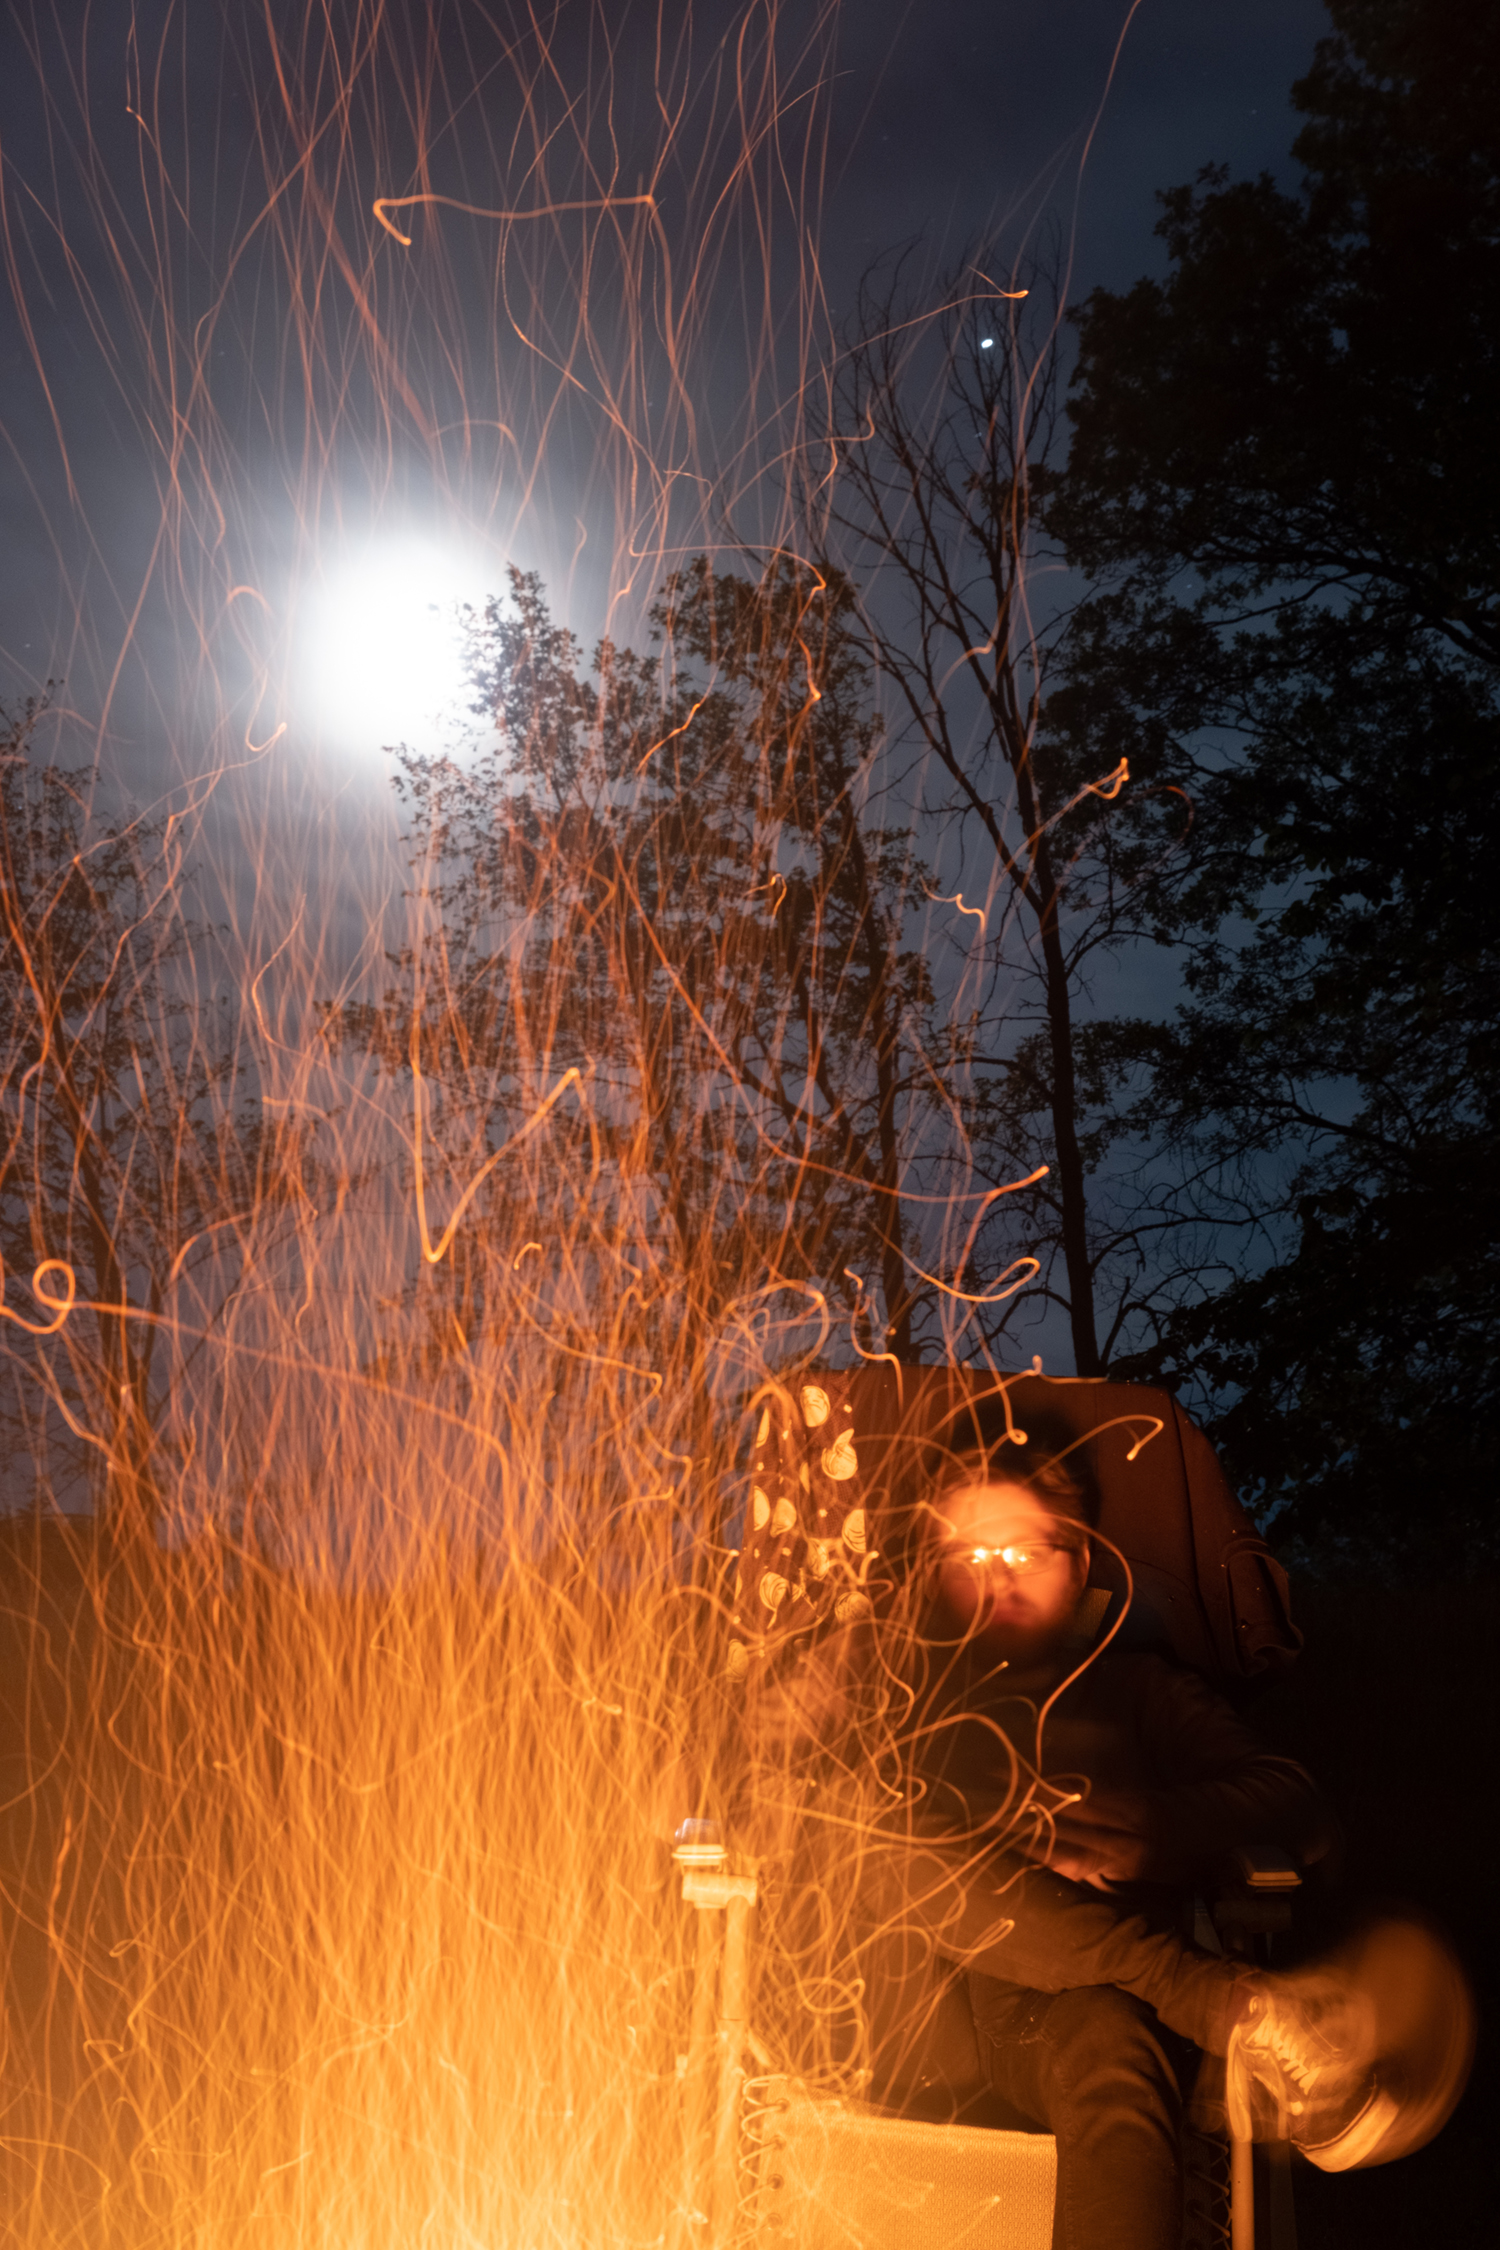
x,y
1107,1837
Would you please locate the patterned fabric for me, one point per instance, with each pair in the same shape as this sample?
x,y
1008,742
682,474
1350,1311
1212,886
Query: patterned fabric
x,y
834,1460
806,1557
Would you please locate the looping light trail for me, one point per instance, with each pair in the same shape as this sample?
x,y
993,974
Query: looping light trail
x,y
384,203
1109,788
1154,1428
957,900
1028,1268
677,730
60,1306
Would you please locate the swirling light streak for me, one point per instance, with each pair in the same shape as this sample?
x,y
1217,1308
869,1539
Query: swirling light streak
x,y
337,1906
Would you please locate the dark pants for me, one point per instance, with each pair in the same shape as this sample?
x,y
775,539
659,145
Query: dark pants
x,y
1094,2067
1078,2001
922,1898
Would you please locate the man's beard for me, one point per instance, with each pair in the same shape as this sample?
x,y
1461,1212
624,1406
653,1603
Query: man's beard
x,y
1025,1643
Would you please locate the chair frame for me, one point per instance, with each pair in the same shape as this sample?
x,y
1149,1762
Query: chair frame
x,y
1206,1578
721,2038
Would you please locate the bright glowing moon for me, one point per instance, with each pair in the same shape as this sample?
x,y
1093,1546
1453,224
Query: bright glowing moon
x,y
380,645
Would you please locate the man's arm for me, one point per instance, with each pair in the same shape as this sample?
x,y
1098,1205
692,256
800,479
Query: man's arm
x,y
1212,1785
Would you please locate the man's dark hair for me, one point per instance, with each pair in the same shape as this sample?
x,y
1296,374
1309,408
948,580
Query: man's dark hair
x,y
1050,1479
980,1446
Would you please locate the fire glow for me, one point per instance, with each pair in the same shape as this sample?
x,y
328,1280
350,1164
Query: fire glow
x,y
340,1764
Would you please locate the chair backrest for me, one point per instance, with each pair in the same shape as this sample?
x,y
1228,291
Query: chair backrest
x,y
833,1462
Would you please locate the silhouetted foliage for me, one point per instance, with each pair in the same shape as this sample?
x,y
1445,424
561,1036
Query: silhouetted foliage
x,y
1284,473
128,1176
941,431
669,876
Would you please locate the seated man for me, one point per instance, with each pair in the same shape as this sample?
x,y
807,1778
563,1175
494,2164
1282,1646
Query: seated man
x,y
1033,1822
1120,1778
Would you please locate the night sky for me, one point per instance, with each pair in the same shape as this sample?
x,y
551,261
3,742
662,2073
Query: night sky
x,y
929,128
957,117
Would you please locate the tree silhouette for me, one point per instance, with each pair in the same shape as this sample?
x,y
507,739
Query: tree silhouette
x,y
942,435
129,1180
1283,469
662,906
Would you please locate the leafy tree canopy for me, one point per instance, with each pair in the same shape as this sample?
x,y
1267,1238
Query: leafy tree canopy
x,y
1308,401
132,1168
667,878
1284,477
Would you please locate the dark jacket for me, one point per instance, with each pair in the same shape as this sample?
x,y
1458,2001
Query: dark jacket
x,y
1131,1722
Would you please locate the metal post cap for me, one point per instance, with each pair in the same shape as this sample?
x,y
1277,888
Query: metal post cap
x,y
699,1843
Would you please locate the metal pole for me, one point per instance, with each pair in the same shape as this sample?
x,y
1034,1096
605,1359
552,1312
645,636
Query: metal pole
x,y
696,2074
1241,2194
712,1892
734,2008
1281,2210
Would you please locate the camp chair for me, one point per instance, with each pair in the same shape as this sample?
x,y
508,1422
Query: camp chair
x,y
831,1457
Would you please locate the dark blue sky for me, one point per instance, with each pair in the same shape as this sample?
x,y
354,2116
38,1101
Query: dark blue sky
x,y
956,115
934,124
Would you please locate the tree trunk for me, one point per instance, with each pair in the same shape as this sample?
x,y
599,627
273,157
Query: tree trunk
x,y
1070,1176
1044,897
886,1029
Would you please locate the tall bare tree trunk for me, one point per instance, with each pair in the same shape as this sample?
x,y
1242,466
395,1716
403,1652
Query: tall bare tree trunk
x,y
1071,1184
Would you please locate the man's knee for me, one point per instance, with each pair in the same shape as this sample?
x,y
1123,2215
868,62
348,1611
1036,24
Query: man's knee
x,y
1098,2023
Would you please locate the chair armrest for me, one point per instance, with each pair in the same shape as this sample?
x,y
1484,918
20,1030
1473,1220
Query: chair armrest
x,y
1254,1895
1267,1868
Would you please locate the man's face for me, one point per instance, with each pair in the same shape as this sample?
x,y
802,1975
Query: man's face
x,y
1009,1568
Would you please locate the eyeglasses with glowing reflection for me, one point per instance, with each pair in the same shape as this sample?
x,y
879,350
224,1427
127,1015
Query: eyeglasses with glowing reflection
x,y
1021,1558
